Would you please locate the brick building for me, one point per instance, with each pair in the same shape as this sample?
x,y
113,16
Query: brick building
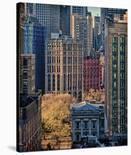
x,y
93,73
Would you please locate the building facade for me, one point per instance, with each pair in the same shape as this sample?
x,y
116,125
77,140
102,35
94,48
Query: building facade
x,y
116,77
34,43
78,29
30,123
81,30
47,15
28,97
27,73
87,120
79,10
92,74
96,35
65,13
89,33
64,67
111,14
29,106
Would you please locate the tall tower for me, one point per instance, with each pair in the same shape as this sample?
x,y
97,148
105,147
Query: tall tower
x,y
34,43
65,12
110,13
97,36
81,30
116,76
47,15
79,10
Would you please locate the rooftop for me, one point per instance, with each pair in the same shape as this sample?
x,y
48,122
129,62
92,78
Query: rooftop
x,y
84,106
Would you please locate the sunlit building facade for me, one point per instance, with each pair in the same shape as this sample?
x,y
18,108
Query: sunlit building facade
x,y
64,67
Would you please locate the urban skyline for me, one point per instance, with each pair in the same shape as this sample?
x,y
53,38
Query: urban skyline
x,y
70,93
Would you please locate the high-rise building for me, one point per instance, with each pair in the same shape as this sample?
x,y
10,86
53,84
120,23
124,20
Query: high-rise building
x,y
116,77
110,13
27,74
96,35
34,43
78,29
65,13
64,62
79,10
89,33
47,15
81,30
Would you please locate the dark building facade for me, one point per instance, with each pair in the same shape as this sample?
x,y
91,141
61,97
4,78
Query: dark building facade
x,y
28,97
30,123
48,16
29,106
65,13
96,33
34,42
27,73
79,10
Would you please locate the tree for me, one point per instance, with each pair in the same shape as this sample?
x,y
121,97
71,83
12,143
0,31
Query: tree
x,y
96,95
56,114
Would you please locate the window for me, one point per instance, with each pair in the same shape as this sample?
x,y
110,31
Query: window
x,y
58,82
49,82
114,84
64,82
24,114
25,75
85,133
77,124
93,124
25,62
77,137
53,82
114,75
85,124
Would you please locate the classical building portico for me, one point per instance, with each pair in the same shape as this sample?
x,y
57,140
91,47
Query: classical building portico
x,y
87,120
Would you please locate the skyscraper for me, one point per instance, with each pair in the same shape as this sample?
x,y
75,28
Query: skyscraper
x,y
81,30
79,10
96,35
110,13
65,13
89,33
34,42
64,72
116,77
47,15
78,29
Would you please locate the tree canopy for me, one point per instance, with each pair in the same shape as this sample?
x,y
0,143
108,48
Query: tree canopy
x,y
56,114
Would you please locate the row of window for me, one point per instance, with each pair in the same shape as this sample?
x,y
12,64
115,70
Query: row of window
x,y
85,124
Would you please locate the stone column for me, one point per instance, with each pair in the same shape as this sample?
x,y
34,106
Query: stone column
x,y
97,125
81,128
90,127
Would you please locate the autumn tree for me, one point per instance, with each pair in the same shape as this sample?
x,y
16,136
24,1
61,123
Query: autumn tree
x,y
56,114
